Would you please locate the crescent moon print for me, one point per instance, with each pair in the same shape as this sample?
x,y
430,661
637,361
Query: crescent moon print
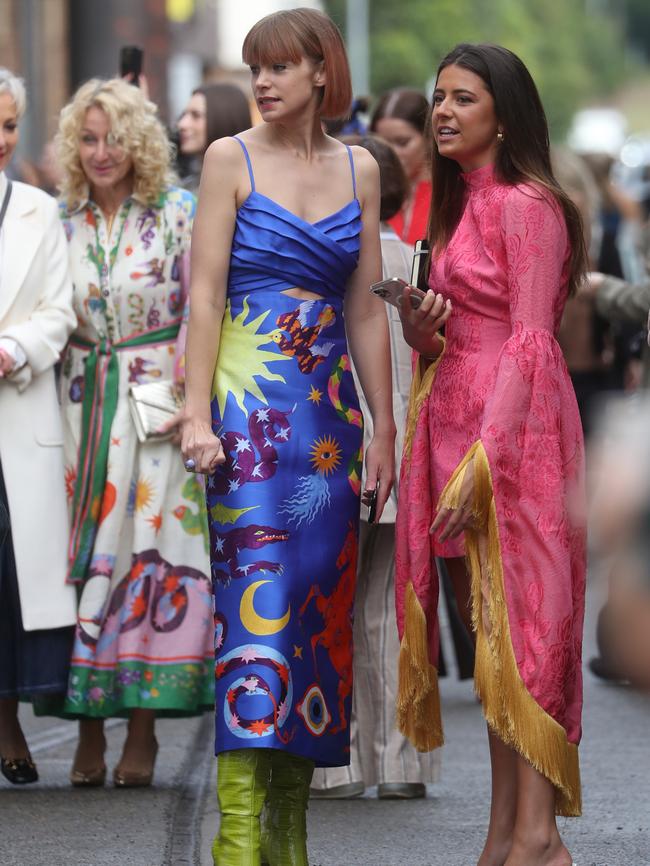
x,y
255,623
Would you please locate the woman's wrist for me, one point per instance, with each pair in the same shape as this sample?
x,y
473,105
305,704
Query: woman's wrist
x,y
434,350
193,412
383,428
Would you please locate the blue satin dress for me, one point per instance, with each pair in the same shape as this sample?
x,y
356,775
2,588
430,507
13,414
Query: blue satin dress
x,y
284,507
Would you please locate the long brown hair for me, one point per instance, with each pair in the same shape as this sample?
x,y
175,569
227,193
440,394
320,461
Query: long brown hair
x,y
522,157
403,103
227,111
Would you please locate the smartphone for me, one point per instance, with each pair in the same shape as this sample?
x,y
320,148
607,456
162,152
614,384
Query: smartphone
x,y
419,276
372,505
391,291
131,62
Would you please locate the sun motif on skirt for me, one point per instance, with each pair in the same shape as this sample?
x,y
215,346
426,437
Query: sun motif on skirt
x,y
144,494
325,455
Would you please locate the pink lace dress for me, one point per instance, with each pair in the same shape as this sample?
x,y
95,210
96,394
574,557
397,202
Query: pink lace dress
x,y
500,395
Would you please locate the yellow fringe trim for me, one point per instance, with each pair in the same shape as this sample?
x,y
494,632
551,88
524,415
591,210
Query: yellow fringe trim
x,y
510,710
423,376
418,698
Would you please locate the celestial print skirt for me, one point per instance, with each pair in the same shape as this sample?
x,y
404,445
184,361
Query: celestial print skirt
x,y
283,515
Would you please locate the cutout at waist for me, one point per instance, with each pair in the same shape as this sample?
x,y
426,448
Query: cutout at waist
x,y
302,294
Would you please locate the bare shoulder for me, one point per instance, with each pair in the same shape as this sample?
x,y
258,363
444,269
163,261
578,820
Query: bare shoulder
x,y
224,170
366,170
224,154
364,162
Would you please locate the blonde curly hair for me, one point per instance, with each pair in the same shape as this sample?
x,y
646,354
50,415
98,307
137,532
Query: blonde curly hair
x,y
134,125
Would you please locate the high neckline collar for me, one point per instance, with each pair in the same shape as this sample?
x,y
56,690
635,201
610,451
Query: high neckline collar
x,y
480,177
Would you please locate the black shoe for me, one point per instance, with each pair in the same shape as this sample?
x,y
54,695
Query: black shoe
x,y
602,669
19,771
401,790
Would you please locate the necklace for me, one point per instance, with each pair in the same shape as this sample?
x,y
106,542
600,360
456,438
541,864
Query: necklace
x,y
110,219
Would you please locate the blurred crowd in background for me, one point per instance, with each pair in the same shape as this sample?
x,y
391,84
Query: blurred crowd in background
x,y
605,169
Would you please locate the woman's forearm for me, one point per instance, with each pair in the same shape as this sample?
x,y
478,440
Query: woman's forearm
x,y
370,347
201,357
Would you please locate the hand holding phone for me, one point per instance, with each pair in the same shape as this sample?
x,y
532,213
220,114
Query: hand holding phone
x,y
372,504
419,274
131,63
391,291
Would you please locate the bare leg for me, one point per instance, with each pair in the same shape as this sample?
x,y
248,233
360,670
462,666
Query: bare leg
x,y
461,582
536,840
89,757
503,759
12,740
503,806
140,747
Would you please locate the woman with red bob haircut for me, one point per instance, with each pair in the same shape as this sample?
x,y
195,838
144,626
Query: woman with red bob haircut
x,y
284,248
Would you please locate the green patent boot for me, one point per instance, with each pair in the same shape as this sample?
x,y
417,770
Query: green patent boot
x,y
284,828
242,785
265,835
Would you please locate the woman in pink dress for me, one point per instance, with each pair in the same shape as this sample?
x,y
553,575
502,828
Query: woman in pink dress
x,y
493,459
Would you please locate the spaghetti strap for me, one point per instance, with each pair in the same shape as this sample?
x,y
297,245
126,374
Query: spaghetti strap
x,y
354,177
248,161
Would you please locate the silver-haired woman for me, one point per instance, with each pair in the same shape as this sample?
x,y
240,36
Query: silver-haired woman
x,y
37,608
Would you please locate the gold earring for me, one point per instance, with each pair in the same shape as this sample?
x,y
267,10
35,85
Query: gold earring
x,y
500,136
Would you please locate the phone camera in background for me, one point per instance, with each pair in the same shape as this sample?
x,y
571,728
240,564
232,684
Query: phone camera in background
x,y
131,57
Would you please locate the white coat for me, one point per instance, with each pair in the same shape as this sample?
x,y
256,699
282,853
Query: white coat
x,y
36,312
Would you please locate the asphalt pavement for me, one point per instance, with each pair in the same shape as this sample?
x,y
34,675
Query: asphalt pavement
x,y
172,823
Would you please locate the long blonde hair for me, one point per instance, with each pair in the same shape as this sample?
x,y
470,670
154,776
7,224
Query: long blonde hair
x,y
134,124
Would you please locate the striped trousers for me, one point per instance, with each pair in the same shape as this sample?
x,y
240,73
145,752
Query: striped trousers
x,y
378,753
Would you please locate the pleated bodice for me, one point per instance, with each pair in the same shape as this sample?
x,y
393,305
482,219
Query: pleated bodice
x,y
273,249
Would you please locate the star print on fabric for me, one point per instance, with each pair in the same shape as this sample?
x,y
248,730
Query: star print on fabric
x,y
103,565
156,521
242,445
262,414
115,440
219,543
259,727
257,471
283,712
248,654
315,395
297,652
233,486
283,433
